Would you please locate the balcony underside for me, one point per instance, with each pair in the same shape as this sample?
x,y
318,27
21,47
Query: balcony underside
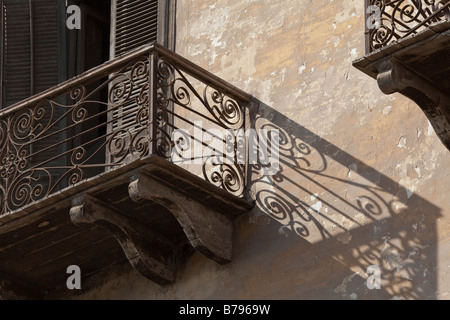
x,y
149,212
418,67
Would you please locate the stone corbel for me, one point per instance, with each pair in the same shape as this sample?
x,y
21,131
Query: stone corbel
x,y
208,231
148,253
435,103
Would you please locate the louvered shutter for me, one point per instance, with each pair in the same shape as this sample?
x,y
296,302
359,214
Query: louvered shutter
x,y
33,61
134,23
46,67
46,45
16,47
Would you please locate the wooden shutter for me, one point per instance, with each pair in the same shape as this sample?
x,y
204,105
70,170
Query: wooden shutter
x,y
46,45
31,61
46,67
32,46
16,46
134,23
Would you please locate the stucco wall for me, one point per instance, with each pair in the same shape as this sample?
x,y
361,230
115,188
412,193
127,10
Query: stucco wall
x,y
363,177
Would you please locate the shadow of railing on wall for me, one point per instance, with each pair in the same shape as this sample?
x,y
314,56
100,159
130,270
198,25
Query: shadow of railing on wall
x,y
348,212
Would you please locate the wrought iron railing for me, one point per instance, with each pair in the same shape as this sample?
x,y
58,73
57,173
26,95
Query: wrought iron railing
x,y
150,102
388,21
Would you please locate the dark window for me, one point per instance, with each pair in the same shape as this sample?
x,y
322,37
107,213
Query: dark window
x,y
32,48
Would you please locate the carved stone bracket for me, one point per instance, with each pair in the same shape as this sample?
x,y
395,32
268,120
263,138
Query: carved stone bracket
x,y
148,253
203,216
435,103
418,67
207,230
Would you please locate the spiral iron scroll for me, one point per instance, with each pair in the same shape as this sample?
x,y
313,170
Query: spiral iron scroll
x,y
401,18
175,87
31,169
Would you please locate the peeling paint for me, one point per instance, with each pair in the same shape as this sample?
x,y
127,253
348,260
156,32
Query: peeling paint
x,y
387,110
302,68
430,131
417,225
402,143
409,193
317,207
284,231
352,168
345,238
342,288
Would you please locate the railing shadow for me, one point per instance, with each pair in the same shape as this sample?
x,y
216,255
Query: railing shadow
x,y
348,212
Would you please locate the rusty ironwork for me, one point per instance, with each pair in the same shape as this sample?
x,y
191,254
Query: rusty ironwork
x,y
214,118
126,109
388,21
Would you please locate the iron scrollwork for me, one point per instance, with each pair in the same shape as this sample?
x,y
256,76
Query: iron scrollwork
x,y
100,124
401,18
182,102
60,142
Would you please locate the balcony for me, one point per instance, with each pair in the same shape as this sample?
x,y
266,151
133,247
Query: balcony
x,y
408,51
142,159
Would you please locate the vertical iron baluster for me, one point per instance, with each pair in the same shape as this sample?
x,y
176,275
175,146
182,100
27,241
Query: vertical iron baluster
x,y
366,27
153,95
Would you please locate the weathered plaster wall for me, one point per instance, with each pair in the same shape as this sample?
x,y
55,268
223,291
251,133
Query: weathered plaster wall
x,y
363,177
